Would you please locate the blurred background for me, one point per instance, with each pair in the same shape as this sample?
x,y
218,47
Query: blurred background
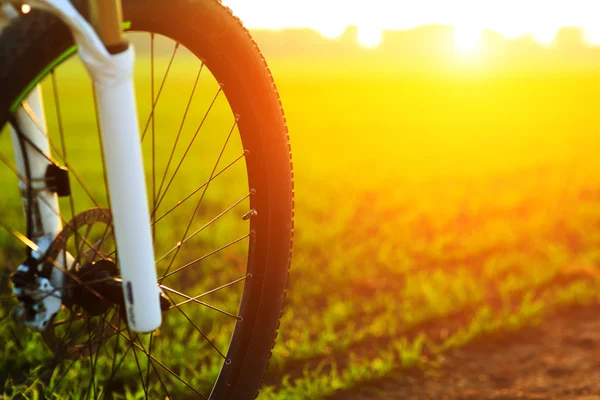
x,y
447,178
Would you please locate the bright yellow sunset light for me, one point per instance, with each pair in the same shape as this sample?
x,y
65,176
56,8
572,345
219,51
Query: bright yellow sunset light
x,y
467,39
592,36
544,36
369,37
512,18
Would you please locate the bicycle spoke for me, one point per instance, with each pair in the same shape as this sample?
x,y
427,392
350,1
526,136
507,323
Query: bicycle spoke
x,y
177,137
180,202
181,243
193,324
153,134
215,290
64,150
80,246
148,359
162,196
6,161
150,363
162,365
96,246
62,352
92,384
115,366
19,236
101,145
137,362
236,317
93,357
13,168
64,374
104,327
58,152
31,114
66,321
212,173
162,84
63,220
196,261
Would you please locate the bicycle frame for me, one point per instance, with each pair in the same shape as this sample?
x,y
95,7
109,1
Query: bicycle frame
x,y
109,60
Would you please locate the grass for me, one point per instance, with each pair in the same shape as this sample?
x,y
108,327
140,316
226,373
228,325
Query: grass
x,y
451,203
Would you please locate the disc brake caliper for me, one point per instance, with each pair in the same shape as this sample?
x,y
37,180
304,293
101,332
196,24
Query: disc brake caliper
x,y
32,285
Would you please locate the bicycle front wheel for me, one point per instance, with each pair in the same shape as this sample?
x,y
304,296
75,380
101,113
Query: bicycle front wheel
x,y
219,175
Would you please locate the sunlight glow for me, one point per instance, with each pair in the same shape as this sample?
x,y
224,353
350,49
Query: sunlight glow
x,y
369,37
544,36
541,19
592,36
25,8
467,39
331,31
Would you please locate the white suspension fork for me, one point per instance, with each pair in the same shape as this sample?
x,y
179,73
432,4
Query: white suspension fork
x,y
113,80
131,217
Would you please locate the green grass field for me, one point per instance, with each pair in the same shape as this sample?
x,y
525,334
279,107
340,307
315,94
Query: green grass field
x,y
430,209
466,204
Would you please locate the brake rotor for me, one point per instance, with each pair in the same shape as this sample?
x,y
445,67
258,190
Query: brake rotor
x,y
87,319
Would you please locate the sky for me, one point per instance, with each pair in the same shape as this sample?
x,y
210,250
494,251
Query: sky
x,y
511,18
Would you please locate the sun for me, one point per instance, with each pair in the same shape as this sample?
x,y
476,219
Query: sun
x,y
544,36
369,37
592,36
331,31
467,40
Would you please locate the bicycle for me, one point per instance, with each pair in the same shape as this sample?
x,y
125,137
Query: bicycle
x,y
100,278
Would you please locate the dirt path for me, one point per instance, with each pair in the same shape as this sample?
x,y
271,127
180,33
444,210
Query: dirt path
x,y
558,360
